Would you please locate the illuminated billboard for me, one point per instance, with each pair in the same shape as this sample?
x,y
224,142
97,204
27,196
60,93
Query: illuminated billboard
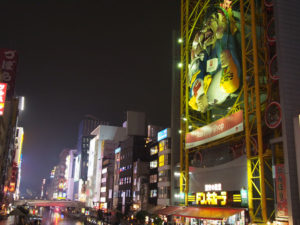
x,y
8,68
3,87
215,76
163,134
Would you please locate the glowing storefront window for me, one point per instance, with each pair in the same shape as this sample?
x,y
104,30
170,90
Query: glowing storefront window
x,y
153,164
104,171
161,146
161,160
153,150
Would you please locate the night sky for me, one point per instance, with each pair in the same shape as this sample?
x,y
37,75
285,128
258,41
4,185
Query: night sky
x,y
86,57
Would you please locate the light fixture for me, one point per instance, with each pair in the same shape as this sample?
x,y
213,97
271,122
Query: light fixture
x,y
179,65
180,40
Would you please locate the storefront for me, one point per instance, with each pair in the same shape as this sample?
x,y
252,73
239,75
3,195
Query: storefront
x,y
218,195
210,216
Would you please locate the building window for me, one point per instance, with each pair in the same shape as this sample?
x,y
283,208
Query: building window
x,y
153,178
153,164
153,150
161,160
103,189
104,171
135,168
153,193
134,181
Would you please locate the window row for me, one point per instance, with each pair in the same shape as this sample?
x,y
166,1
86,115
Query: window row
x,y
164,192
126,193
125,180
126,155
123,168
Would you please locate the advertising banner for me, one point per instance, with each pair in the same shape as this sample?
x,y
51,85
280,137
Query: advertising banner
x,y
216,130
8,65
3,88
215,75
282,207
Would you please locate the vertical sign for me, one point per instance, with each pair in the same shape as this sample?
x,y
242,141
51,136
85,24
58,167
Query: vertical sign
x,y
282,207
8,66
3,88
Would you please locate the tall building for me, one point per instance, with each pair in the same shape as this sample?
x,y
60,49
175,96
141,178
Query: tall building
x,y
101,159
132,150
70,173
18,158
86,126
43,189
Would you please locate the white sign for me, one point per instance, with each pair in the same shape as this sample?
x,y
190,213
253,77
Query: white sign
x,y
213,187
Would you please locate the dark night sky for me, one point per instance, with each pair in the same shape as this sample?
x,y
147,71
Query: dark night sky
x,y
86,57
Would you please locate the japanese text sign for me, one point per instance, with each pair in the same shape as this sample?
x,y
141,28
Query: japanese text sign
x,y
8,66
3,88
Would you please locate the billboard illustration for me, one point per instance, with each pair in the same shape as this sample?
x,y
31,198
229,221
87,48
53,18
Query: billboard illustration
x,y
215,74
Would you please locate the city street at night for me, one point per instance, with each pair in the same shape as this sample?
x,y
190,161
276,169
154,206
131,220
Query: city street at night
x,y
150,112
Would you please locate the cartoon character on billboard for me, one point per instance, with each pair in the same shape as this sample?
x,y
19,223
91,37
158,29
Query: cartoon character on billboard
x,y
214,72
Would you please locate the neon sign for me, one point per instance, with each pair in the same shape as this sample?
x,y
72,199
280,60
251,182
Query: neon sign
x,y
210,198
162,134
3,87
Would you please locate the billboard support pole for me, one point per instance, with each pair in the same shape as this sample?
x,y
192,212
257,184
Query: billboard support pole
x,y
246,108
258,113
252,108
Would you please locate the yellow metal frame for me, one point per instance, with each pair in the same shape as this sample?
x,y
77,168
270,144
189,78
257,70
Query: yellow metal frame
x,y
255,85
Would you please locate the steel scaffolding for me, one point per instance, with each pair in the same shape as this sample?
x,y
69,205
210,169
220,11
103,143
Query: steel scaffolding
x,y
252,100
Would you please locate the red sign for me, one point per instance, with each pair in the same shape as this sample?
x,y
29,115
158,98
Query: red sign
x,y
3,88
218,129
8,66
282,207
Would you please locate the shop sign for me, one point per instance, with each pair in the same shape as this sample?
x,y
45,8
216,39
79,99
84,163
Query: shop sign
x,y
213,187
218,199
162,134
244,197
8,68
3,87
282,207
210,198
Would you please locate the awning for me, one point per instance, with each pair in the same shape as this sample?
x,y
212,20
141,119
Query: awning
x,y
169,210
207,213
155,208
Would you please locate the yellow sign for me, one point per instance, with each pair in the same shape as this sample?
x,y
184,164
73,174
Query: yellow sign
x,y
211,198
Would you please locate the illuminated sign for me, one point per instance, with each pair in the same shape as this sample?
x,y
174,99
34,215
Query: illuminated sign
x,y
215,74
117,150
211,198
3,87
162,134
218,199
8,67
213,187
218,129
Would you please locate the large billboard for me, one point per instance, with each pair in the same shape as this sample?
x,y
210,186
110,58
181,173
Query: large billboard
x,y
215,76
8,69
